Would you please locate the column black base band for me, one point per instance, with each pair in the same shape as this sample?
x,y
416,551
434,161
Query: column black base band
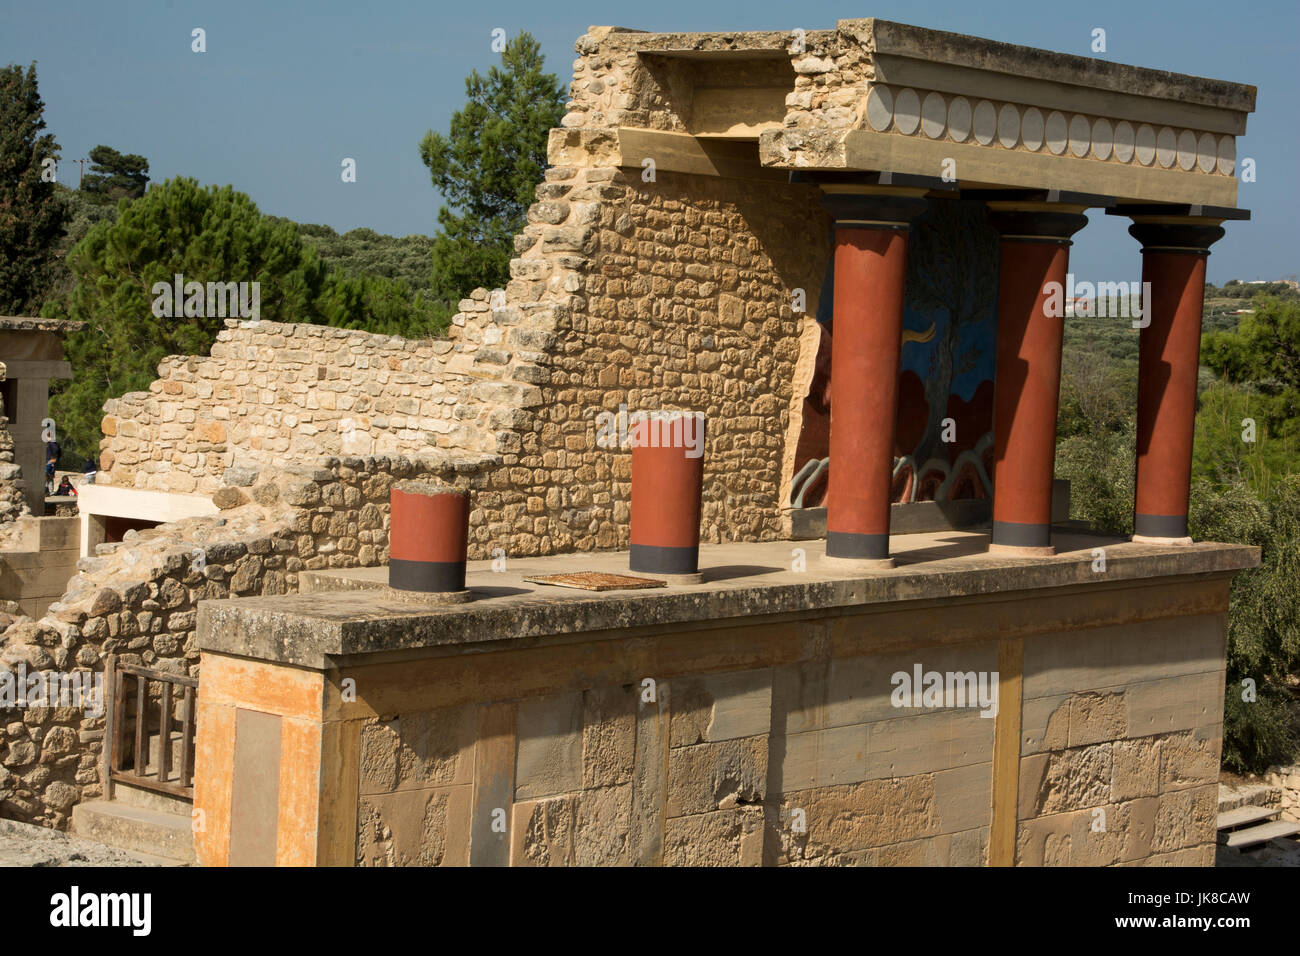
x,y
1014,534
1160,526
848,544
657,559
426,575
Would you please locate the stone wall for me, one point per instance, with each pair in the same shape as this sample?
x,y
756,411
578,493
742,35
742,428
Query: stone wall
x,y
683,299
1121,741
626,295
809,765
272,393
664,729
1287,780
138,599
13,494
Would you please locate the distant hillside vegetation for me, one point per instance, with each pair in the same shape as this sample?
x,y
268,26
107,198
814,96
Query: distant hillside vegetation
x,y
365,252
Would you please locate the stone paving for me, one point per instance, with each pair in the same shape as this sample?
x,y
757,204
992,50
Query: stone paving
x,y
22,844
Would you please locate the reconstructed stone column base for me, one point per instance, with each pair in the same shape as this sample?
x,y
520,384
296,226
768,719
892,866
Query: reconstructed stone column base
x,y
696,578
1172,542
1016,551
429,598
857,564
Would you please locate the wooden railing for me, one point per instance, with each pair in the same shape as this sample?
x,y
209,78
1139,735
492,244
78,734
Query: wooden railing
x,y
133,721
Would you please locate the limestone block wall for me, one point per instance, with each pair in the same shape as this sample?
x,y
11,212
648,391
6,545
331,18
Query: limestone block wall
x,y
37,560
1121,744
746,741
810,765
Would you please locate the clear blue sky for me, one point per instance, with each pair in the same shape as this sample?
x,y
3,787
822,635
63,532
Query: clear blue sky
x,y
286,90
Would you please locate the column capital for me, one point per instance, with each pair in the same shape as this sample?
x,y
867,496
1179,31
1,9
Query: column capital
x,y
1036,222
1178,227
1158,235
873,207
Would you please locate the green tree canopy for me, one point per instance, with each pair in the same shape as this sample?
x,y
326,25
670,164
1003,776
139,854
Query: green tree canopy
x,y
488,166
205,234
31,212
115,175
1264,352
1259,729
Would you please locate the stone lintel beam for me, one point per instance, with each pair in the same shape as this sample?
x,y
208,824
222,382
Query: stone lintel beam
x,y
894,43
831,178
970,162
1034,198
1176,211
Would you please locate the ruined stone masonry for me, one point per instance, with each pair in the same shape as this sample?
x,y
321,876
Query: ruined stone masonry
x,y
676,257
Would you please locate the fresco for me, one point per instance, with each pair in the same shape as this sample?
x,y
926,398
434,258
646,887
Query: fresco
x,y
948,359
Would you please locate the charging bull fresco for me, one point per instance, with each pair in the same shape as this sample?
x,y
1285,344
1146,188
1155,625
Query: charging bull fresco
x,y
944,440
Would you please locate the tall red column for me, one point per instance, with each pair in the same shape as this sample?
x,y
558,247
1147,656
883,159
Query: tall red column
x,y
1033,262
870,271
1174,256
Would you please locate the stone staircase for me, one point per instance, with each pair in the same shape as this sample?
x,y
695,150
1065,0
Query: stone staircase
x,y
1248,824
140,821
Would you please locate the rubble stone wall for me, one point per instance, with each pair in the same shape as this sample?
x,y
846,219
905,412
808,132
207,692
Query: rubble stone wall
x,y
272,393
683,299
138,599
627,295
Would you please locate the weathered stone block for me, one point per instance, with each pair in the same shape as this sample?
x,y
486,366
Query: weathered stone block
x,y
867,814
418,750
716,776
1135,768
721,707
414,828
824,758
721,838
1186,818
1065,780
608,735
582,829
1189,759
550,745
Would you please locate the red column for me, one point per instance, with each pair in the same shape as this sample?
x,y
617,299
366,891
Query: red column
x,y
428,537
1033,254
667,478
1169,350
870,270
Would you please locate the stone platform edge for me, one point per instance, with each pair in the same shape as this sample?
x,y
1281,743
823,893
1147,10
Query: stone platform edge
x,y
309,630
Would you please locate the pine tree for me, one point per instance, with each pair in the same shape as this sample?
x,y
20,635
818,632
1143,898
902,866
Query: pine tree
x,y
31,213
115,175
488,167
